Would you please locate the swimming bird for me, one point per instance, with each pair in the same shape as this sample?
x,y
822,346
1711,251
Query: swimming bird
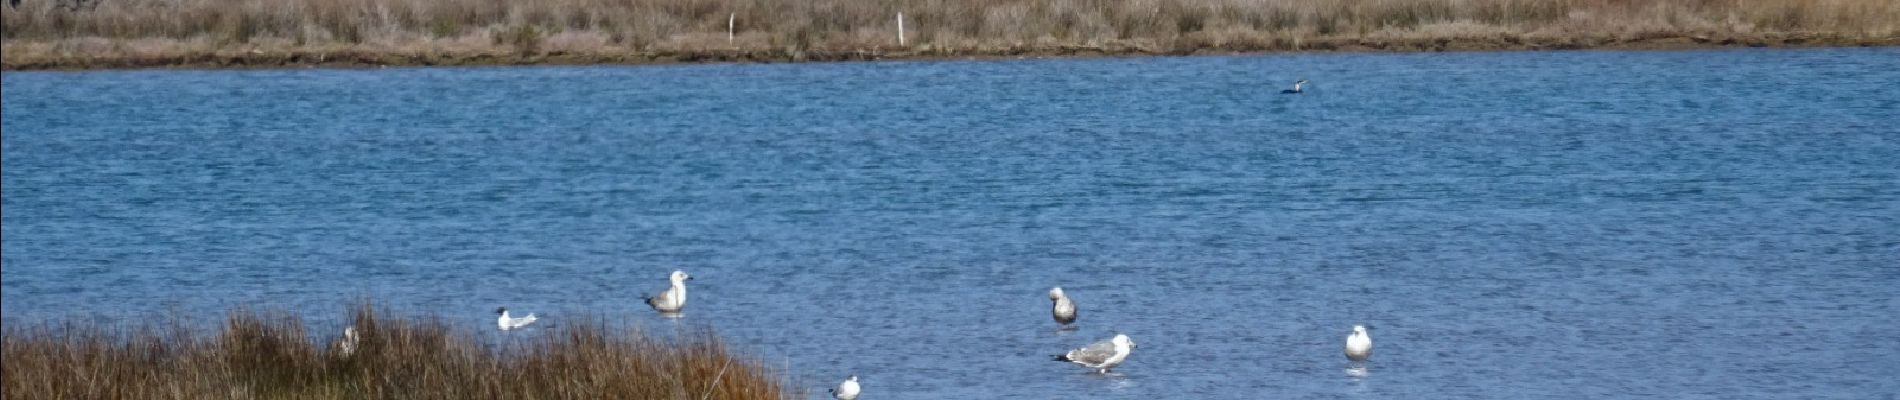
x,y
847,390
1358,345
1101,356
507,323
1063,310
1296,88
674,298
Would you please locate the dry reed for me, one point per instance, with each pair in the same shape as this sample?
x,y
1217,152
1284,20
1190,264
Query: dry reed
x,y
271,356
266,32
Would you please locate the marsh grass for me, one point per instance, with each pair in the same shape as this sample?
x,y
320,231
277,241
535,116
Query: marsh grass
x,y
272,356
486,31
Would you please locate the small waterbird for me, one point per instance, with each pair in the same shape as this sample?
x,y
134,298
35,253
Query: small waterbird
x,y
507,323
674,298
847,390
1063,310
1101,356
346,346
1296,88
1358,344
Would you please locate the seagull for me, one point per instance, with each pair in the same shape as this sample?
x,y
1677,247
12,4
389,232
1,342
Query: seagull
x,y
1063,310
1358,345
847,390
507,323
1296,88
1101,356
347,345
674,298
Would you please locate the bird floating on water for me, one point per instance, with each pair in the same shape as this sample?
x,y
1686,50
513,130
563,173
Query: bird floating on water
x,y
1297,89
674,298
1063,309
847,390
1358,345
1101,356
507,323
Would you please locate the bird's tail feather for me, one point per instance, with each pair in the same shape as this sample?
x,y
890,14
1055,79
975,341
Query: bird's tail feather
x,y
1061,357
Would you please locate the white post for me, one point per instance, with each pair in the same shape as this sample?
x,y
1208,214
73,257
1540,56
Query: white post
x,y
900,28
734,17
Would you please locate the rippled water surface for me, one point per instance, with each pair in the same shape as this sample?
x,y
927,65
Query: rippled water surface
x,y
1704,224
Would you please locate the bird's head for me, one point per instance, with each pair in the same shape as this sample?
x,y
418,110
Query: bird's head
x,y
679,276
501,310
1055,293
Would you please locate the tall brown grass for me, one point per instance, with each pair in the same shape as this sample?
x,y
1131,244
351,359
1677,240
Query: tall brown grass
x,y
271,356
431,29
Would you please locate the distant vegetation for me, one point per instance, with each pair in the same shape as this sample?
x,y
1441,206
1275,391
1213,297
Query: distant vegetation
x,y
260,356
41,33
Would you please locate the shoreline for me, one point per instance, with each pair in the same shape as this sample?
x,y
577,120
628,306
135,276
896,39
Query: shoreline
x,y
106,54
275,354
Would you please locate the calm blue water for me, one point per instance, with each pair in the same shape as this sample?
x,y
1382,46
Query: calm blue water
x,y
1704,224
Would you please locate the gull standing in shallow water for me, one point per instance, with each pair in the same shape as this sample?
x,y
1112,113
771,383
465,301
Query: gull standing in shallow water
x,y
1296,88
847,390
1358,345
674,298
507,323
1063,310
1102,355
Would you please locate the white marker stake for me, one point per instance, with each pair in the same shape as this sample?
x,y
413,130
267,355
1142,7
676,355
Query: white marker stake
x,y
900,28
730,19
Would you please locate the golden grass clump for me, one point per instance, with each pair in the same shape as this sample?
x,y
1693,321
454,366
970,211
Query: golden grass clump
x,y
78,33
271,356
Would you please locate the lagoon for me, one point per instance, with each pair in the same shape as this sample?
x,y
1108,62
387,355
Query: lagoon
x,y
1593,224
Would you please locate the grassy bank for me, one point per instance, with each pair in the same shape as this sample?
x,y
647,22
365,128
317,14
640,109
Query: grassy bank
x,y
258,356
133,33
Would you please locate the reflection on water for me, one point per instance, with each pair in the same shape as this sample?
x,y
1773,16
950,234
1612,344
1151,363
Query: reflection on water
x,y
1357,379
1115,381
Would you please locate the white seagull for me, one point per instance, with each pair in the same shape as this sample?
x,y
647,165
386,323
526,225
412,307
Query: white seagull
x,y
347,345
507,323
1296,88
1358,345
847,390
1102,355
1063,310
674,298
